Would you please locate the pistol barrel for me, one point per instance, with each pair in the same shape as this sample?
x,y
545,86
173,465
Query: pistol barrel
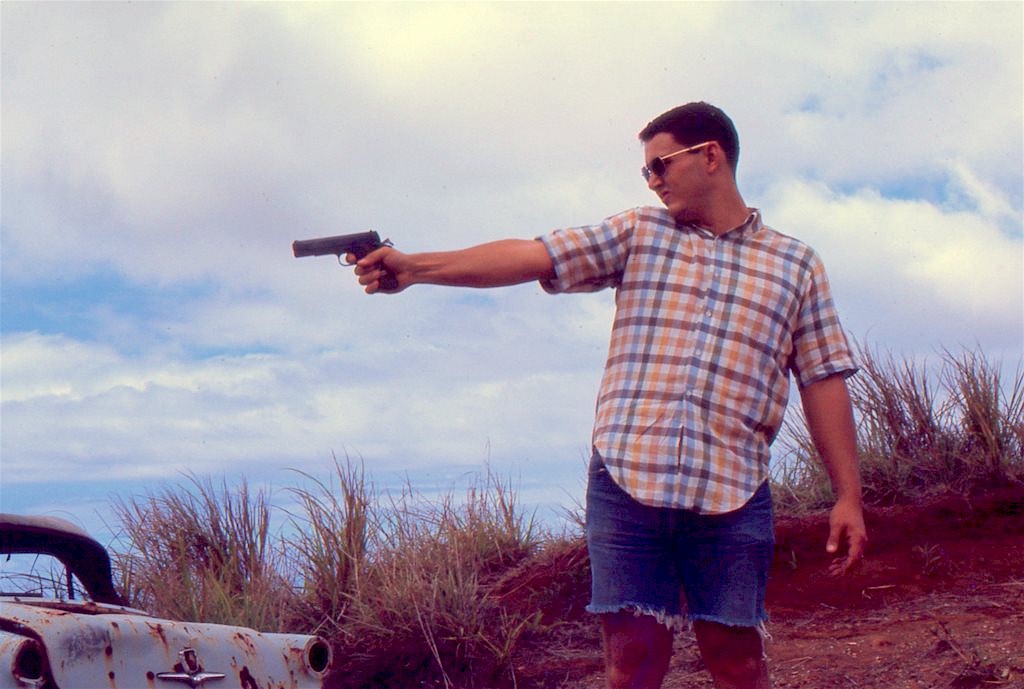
x,y
359,244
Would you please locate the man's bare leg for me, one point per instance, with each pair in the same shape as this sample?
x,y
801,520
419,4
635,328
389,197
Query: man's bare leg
x,y
733,655
637,650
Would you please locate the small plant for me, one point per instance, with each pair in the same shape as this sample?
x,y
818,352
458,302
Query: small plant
x,y
932,560
977,671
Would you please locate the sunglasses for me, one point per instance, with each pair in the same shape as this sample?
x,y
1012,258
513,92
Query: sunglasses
x,y
657,165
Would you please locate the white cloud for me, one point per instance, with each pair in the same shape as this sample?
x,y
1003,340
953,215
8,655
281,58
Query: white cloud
x,y
129,417
912,270
162,157
164,139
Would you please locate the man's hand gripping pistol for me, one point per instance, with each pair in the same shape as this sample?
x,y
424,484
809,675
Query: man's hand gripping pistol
x,y
358,245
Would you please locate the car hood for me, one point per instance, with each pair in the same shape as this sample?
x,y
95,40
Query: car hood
x,y
106,646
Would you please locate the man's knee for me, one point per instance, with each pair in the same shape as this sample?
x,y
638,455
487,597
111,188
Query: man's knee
x,y
637,650
733,655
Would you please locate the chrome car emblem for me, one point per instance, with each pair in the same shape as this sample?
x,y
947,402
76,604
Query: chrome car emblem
x,y
191,672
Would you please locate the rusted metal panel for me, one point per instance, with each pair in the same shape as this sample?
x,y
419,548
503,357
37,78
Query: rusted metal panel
x,y
108,646
63,644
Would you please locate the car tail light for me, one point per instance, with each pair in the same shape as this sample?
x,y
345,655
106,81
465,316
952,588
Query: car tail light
x,y
29,664
318,656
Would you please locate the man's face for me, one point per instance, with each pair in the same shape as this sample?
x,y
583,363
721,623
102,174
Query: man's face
x,y
683,185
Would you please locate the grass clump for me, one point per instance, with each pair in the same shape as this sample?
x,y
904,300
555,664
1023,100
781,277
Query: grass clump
x,y
400,585
404,590
958,430
333,534
205,554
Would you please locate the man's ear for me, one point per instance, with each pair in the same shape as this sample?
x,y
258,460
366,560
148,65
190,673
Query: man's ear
x,y
714,157
716,161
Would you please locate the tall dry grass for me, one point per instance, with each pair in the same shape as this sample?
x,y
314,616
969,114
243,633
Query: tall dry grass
x,y
204,554
399,584
416,592
333,531
958,429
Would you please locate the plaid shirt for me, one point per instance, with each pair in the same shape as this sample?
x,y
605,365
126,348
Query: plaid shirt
x,y
706,332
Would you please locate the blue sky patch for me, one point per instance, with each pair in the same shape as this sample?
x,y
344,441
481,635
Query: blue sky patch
x,y
78,307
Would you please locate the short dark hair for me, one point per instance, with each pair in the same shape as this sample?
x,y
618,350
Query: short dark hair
x,y
695,123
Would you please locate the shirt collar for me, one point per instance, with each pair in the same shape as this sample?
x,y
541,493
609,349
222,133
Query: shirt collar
x,y
749,226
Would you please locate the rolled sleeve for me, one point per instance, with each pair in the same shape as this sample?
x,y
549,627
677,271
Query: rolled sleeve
x,y
589,258
820,347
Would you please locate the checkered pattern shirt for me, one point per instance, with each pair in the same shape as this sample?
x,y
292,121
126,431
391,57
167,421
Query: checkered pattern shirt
x,y
706,332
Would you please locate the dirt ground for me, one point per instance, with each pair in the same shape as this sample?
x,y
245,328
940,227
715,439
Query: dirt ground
x,y
938,603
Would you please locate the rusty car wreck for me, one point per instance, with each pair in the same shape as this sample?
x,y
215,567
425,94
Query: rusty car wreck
x,y
96,642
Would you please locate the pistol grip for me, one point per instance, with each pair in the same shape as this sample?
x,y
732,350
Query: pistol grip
x,y
360,251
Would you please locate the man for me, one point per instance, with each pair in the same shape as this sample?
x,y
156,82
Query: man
x,y
714,310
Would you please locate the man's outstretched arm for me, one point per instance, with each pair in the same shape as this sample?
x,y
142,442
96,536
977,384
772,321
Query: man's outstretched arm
x,y
495,264
829,417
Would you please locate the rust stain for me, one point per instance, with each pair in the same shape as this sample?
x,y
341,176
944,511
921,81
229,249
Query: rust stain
x,y
157,630
247,680
246,641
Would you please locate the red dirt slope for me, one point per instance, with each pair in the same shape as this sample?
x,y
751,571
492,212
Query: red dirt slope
x,y
938,603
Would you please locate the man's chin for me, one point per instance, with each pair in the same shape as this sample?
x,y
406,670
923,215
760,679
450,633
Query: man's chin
x,y
683,216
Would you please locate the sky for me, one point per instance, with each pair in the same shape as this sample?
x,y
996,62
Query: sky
x,y
158,159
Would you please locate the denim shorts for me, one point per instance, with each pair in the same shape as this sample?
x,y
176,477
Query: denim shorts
x,y
646,559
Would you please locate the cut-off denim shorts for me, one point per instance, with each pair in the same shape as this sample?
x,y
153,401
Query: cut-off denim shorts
x,y
645,559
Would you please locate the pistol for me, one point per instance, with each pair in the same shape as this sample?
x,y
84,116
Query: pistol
x,y
358,244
